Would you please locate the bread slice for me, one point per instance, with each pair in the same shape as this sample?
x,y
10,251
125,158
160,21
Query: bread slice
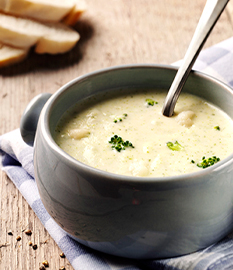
x,y
10,55
48,38
73,16
59,39
45,10
20,32
42,10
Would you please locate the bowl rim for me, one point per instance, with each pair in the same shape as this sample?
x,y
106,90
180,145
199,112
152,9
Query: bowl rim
x,y
44,126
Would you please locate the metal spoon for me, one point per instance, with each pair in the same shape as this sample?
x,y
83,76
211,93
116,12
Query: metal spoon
x,y
209,17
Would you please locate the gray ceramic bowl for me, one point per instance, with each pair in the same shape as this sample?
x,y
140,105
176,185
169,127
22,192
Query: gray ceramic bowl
x,y
173,215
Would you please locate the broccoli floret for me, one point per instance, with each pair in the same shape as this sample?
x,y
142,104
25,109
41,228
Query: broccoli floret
x,y
206,162
174,146
151,102
119,144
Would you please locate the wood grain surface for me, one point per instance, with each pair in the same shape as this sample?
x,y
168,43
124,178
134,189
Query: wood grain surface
x,y
113,32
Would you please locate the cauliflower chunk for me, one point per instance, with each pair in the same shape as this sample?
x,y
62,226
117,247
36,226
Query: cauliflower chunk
x,y
185,118
78,133
139,168
93,113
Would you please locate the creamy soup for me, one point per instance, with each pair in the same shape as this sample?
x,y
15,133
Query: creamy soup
x,y
127,134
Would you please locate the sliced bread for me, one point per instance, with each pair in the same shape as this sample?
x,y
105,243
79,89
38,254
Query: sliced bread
x,y
59,39
10,55
73,16
45,10
19,32
48,38
42,10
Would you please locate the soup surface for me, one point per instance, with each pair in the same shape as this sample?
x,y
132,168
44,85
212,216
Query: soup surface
x,y
127,134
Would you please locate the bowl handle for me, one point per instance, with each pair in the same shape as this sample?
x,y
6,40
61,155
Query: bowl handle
x,y
30,117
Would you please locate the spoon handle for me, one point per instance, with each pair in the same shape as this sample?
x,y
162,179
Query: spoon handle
x,y
209,17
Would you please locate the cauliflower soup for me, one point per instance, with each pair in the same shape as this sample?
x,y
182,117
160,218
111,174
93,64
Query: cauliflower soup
x,y
127,134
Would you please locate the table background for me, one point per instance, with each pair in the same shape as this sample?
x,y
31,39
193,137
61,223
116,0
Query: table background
x,y
113,32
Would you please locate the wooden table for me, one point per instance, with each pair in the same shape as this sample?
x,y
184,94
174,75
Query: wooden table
x,y
113,32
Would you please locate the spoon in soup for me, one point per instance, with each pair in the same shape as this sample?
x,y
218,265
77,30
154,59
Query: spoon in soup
x,y
210,15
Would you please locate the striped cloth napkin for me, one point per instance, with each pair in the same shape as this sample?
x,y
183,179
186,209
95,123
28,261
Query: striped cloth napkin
x,y
16,159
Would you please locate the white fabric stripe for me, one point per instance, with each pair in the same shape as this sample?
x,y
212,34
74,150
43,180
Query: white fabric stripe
x,y
85,262
54,230
29,191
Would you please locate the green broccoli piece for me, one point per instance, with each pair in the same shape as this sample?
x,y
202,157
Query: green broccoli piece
x,y
151,102
120,119
207,162
174,146
119,144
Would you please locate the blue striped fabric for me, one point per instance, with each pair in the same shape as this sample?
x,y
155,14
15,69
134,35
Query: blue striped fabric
x,y
16,160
